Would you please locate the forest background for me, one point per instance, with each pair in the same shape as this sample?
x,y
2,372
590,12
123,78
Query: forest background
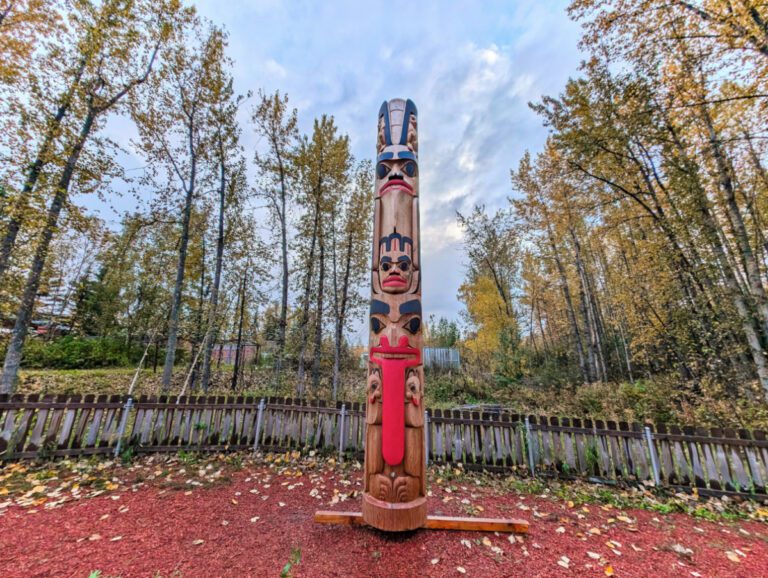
x,y
626,277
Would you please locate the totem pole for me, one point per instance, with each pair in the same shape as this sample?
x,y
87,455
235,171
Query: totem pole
x,y
394,487
394,493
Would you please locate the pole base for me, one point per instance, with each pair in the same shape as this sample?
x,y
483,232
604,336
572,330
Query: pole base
x,y
506,525
394,517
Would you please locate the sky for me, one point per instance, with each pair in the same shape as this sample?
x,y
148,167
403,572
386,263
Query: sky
x,y
471,67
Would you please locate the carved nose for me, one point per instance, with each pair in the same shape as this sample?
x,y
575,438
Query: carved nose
x,y
391,335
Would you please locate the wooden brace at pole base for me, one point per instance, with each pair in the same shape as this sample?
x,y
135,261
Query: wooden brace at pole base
x,y
506,525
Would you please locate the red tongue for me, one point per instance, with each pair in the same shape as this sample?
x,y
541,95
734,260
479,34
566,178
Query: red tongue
x,y
393,416
393,400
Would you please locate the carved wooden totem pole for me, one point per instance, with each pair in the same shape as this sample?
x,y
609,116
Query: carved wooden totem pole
x,y
395,493
395,490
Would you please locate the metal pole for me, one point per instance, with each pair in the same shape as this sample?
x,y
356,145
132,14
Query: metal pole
x,y
654,457
529,443
123,423
426,436
341,429
259,418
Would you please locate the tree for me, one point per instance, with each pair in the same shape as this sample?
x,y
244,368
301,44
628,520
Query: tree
x,y
228,158
493,250
322,164
278,127
351,239
127,59
174,120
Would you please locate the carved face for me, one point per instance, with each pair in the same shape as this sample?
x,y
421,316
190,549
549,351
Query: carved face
x,y
399,173
395,263
395,333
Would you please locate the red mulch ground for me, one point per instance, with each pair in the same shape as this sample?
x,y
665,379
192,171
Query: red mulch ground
x,y
161,529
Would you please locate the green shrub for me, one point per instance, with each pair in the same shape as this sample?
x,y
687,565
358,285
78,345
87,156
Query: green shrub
x,y
79,353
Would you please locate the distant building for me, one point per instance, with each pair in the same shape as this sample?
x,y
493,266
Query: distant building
x,y
226,352
433,357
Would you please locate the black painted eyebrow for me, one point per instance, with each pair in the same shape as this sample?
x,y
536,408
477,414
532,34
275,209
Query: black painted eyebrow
x,y
403,258
379,307
412,306
386,259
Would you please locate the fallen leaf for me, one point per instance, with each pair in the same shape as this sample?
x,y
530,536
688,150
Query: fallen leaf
x,y
461,570
116,539
434,561
608,570
487,541
198,542
593,555
466,543
682,550
733,557
94,537
255,519
560,530
564,561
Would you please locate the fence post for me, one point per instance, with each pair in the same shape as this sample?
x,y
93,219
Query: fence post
x,y
654,457
259,418
341,429
529,445
426,436
123,423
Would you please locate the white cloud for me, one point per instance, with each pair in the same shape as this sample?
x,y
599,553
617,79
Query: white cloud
x,y
470,71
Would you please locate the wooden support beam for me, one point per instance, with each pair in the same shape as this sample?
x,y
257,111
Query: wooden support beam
x,y
507,525
339,518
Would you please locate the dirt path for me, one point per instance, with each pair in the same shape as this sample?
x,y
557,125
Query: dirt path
x,y
255,521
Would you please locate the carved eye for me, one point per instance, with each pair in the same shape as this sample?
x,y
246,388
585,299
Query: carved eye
x,y
376,325
413,388
403,265
410,168
413,325
382,170
386,266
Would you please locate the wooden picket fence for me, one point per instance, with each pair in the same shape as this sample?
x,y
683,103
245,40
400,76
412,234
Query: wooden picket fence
x,y
712,460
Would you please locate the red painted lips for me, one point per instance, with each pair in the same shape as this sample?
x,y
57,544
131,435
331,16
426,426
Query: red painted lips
x,y
398,183
394,280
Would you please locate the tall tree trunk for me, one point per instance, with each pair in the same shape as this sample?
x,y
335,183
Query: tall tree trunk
x,y
738,228
283,324
24,313
214,304
319,319
341,315
304,320
35,170
173,322
238,348
199,339
575,331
